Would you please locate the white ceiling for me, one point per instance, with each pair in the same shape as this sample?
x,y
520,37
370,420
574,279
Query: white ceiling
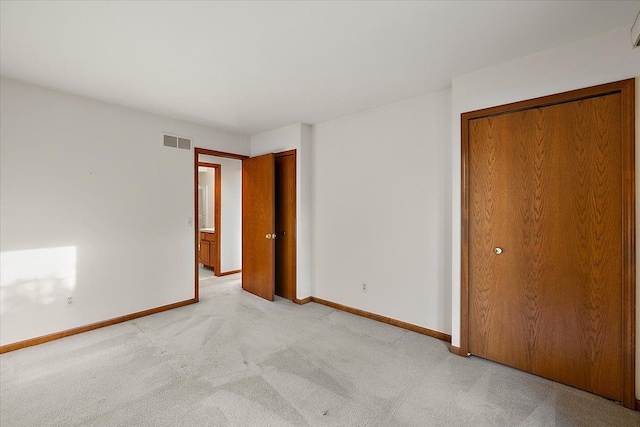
x,y
256,66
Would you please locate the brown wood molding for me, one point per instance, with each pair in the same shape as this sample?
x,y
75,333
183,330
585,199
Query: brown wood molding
x,y
226,273
291,152
196,229
216,153
208,165
57,335
456,350
303,300
626,88
384,319
217,220
548,100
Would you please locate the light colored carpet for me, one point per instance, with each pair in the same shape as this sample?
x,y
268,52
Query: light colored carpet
x,y
205,273
236,360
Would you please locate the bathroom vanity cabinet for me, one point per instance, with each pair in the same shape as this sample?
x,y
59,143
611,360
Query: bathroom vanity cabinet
x,y
208,248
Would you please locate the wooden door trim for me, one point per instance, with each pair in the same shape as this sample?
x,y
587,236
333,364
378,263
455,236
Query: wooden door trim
x,y
215,153
626,88
217,210
227,273
285,153
196,152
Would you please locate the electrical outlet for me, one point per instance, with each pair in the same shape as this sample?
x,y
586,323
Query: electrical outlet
x,y
70,300
364,287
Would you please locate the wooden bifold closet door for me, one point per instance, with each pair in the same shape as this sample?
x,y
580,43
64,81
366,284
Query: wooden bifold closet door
x,y
548,240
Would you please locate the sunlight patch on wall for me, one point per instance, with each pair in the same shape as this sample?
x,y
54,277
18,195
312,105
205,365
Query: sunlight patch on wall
x,y
36,277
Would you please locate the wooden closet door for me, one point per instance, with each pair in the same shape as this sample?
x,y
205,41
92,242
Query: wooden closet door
x,y
545,186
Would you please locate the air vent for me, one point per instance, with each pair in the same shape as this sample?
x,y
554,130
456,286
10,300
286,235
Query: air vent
x,y
176,142
170,141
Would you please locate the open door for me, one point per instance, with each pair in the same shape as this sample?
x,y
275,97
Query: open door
x,y
258,226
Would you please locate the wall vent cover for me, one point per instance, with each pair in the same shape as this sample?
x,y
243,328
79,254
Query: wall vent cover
x,y
174,141
170,141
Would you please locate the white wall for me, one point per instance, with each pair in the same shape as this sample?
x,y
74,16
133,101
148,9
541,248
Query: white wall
x,y
381,210
94,177
298,137
211,199
305,212
601,59
230,233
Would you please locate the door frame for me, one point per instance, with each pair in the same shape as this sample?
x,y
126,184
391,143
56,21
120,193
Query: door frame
x,y
196,152
217,208
626,88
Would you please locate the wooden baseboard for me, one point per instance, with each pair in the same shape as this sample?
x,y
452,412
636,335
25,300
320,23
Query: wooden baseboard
x,y
384,319
226,273
57,335
302,301
456,350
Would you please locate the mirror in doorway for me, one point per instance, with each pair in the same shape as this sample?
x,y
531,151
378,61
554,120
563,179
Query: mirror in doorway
x,y
206,198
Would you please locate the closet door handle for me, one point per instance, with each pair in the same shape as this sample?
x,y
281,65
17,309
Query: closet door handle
x,y
497,251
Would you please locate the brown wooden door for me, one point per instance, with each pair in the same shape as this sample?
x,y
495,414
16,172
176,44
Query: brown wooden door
x,y
545,186
286,225
258,226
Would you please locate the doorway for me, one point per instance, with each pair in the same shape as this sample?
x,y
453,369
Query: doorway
x,y
208,218
548,208
268,209
221,241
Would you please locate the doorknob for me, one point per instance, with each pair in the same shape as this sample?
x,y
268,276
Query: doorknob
x,y
268,236
497,251
273,236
